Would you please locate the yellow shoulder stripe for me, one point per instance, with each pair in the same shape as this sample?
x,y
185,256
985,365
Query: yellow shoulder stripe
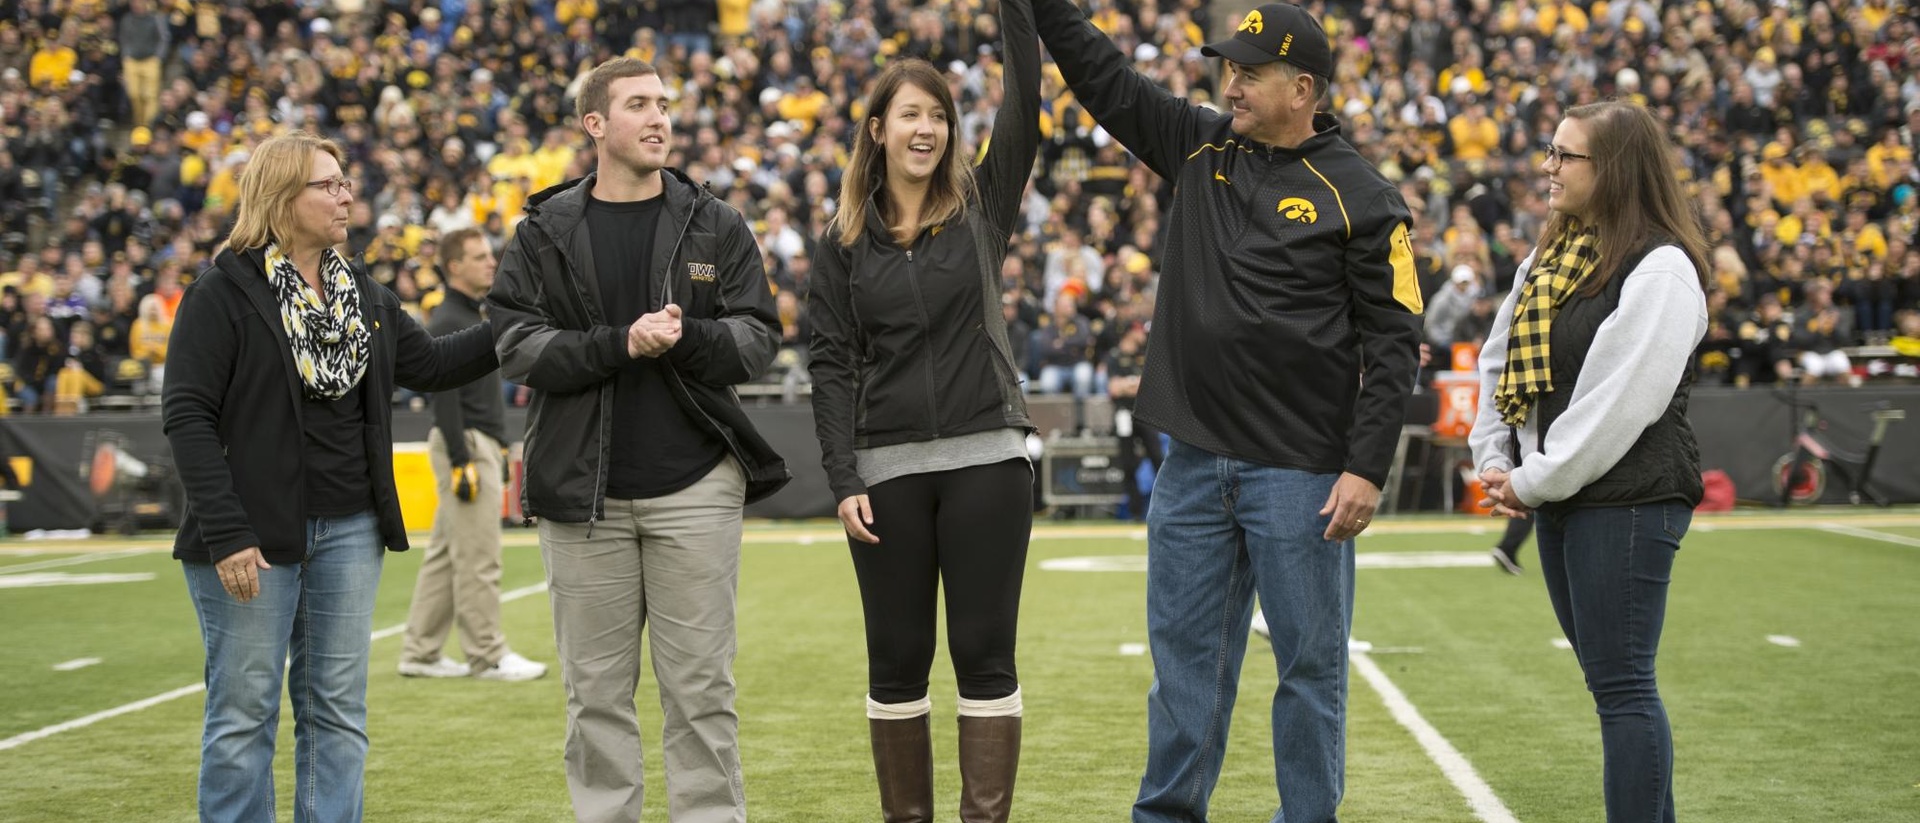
x,y
1342,203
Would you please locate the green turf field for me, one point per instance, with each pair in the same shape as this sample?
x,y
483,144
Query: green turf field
x,y
1826,730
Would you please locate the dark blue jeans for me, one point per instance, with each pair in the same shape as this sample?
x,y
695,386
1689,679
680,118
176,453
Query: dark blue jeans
x,y
1607,571
1218,530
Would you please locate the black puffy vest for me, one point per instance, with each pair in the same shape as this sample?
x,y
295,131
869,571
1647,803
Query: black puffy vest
x,y
1664,464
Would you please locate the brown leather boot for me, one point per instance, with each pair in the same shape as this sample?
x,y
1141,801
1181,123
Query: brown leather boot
x,y
989,759
903,762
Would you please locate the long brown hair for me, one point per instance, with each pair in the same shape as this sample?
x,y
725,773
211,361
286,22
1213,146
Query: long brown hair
x,y
1636,194
866,175
276,175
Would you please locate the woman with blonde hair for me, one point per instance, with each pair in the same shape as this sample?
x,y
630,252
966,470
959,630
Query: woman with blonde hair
x,y
147,342
282,363
1583,420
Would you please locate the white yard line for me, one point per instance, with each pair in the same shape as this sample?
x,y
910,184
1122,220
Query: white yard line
x,y
1480,797
72,561
1870,534
82,722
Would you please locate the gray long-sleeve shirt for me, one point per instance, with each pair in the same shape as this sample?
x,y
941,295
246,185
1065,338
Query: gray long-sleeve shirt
x,y
143,36
1638,356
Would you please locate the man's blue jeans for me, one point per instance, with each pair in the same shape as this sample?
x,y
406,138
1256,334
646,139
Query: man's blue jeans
x,y
1607,571
320,612
1218,530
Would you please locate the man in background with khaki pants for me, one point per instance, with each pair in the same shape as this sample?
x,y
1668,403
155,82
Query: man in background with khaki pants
x,y
460,574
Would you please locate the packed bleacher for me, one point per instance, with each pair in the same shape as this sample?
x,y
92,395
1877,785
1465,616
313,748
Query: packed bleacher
x,y
124,127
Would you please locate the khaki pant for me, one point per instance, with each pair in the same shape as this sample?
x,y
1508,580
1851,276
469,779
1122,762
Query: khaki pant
x,y
669,566
142,78
460,574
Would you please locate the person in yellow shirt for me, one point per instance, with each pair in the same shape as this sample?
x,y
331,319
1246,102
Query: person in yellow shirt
x,y
1862,240
1475,135
52,66
1819,178
1469,67
735,18
804,104
1554,13
29,278
199,133
550,162
1882,157
1782,176
147,342
514,161
567,11
223,191
1875,13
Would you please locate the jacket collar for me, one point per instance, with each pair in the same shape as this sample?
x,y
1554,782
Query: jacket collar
x,y
1326,132
561,208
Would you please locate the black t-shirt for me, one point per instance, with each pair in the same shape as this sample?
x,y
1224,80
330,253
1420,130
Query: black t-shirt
x,y
335,448
658,449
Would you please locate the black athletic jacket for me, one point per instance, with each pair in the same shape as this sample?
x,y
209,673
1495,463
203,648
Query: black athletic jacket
x,y
553,335
1287,327
909,344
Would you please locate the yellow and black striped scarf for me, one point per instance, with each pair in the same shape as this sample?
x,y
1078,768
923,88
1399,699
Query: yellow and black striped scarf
x,y
1572,256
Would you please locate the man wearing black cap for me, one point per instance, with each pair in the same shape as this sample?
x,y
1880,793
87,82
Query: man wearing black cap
x,y
1284,346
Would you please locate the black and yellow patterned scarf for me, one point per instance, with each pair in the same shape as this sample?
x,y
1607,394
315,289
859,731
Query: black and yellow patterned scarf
x,y
329,337
1572,256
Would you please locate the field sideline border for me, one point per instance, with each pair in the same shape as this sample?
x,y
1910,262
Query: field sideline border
x,y
814,531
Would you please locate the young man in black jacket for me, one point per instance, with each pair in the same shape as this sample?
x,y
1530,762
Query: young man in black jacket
x,y
1284,347
639,459
459,577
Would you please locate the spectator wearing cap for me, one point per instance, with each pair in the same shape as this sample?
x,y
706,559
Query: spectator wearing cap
x,y
1450,305
1288,255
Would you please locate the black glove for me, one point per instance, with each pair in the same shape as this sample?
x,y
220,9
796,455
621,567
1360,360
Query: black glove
x,y
465,480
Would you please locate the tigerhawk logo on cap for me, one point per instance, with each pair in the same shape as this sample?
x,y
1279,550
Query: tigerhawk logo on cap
x,y
1253,23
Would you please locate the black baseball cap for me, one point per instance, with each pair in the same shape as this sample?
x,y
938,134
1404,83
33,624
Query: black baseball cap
x,y
1278,31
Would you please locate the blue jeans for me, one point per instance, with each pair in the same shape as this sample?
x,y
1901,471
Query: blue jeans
x,y
1607,571
321,612
1218,530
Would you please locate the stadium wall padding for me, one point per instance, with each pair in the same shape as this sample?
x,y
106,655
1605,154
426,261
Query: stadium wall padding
x,y
1741,432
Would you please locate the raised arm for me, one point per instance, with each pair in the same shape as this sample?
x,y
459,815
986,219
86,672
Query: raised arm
x,y
1159,128
1003,173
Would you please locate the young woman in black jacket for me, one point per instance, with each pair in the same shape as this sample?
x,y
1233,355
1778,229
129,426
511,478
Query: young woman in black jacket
x,y
280,374
921,423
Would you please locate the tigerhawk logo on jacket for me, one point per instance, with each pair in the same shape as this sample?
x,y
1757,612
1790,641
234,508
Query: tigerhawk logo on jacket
x,y
1297,208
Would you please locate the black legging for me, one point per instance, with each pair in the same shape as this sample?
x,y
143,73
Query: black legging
x,y
965,528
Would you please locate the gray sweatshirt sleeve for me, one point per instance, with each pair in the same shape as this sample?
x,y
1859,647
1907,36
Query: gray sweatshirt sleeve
x,y
1638,356
1489,436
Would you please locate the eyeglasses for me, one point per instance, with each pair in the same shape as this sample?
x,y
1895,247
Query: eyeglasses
x,y
1557,155
333,186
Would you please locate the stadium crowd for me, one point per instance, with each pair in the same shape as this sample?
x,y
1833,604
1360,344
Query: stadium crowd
x,y
124,127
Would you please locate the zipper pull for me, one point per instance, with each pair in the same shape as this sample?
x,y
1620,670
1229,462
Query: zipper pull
x,y
909,255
